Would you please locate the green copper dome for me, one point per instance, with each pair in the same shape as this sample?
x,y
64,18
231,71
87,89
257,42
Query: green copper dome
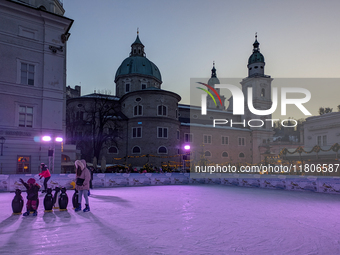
x,y
255,58
138,65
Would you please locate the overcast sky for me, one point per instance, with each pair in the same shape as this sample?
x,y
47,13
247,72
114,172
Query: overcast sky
x,y
298,38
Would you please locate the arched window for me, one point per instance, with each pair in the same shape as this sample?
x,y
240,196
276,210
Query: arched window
x,y
138,110
162,150
136,150
225,154
241,155
207,154
263,93
162,110
113,150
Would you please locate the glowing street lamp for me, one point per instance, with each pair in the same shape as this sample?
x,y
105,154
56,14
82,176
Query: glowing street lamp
x,y
51,153
186,149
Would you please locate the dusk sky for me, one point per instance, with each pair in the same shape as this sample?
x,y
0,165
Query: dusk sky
x,y
298,38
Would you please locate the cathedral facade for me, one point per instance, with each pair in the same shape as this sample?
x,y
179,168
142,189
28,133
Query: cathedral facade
x,y
148,125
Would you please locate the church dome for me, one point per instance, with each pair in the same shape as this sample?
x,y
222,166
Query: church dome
x,y
256,57
137,63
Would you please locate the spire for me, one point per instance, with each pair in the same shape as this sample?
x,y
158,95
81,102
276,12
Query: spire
x,y
213,71
137,48
256,44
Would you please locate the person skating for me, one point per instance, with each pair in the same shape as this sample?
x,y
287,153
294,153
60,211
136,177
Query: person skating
x,y
46,174
32,196
83,178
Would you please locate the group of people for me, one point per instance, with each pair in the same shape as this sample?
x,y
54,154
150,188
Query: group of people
x,y
83,184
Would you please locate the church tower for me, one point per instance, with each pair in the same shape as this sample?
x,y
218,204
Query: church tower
x,y
261,89
260,84
212,81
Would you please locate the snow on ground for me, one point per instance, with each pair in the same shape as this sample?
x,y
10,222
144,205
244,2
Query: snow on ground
x,y
186,219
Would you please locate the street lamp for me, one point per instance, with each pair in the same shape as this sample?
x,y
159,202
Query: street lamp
x,y
51,151
185,157
2,141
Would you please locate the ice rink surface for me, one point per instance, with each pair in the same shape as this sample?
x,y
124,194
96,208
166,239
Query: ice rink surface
x,y
178,219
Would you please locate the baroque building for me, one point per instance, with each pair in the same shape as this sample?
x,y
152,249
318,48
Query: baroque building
x,y
33,38
146,124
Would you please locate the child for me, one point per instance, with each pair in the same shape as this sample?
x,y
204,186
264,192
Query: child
x,y
32,196
46,174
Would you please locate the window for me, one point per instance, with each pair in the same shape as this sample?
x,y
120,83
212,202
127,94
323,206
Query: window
x,y
136,150
79,115
162,150
188,137
27,74
241,141
143,85
207,154
138,110
127,87
206,138
113,150
162,132
319,140
176,114
225,140
25,116
225,154
24,164
162,110
177,133
263,93
324,140
241,155
136,132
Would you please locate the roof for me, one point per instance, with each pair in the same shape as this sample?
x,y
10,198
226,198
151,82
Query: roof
x,y
138,65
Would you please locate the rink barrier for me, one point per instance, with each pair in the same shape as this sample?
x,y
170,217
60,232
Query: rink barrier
x,y
284,182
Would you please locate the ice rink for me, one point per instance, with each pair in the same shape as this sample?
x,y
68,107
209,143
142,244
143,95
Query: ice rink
x,y
179,219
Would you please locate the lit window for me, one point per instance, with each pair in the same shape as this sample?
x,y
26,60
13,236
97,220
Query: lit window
x,y
25,116
136,132
162,132
27,74
23,164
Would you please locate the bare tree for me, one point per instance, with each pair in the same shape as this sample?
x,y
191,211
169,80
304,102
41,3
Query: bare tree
x,y
97,119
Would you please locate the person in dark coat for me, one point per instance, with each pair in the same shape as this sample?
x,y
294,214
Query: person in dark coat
x,y
32,196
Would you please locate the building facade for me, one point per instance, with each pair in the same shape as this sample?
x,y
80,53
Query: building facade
x,y
33,36
149,126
